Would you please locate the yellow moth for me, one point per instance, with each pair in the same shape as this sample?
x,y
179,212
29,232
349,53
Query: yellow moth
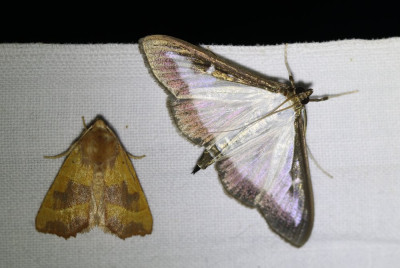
x,y
96,186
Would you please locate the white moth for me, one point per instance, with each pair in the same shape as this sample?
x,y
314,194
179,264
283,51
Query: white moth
x,y
251,127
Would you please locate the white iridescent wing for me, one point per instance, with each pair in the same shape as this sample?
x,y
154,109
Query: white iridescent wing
x,y
219,110
272,174
229,111
196,81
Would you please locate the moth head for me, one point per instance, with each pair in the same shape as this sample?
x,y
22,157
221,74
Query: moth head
x,y
304,94
100,124
99,145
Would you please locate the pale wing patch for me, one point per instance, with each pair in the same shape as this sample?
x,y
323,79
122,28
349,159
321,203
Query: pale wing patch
x,y
205,103
207,107
260,174
258,164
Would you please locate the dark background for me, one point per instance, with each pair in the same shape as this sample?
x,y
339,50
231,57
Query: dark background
x,y
238,23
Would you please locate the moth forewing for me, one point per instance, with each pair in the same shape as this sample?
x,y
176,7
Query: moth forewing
x,y
250,126
163,53
96,186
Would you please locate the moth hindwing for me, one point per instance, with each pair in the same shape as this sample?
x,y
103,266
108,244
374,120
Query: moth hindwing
x,y
251,127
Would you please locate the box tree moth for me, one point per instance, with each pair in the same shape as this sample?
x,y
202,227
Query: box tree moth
x,y
251,127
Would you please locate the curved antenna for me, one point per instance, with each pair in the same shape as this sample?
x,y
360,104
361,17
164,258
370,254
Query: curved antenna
x,y
288,68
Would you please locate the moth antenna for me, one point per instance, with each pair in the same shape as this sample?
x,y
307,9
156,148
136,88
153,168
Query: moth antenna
x,y
135,157
70,148
60,155
318,165
327,97
288,68
84,123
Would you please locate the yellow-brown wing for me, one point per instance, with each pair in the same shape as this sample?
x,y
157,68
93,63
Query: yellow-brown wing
x,y
65,208
127,212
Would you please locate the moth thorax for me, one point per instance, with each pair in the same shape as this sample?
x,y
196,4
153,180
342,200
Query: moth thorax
x,y
303,94
99,147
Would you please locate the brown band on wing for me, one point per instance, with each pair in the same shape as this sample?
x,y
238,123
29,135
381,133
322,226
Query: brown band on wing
x,y
241,188
75,194
75,226
186,118
119,195
170,75
285,224
124,231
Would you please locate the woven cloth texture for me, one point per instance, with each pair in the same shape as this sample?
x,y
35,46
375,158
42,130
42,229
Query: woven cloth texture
x,y
45,89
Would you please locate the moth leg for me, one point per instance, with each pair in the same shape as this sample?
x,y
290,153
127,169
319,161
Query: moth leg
x,y
317,164
288,68
135,157
316,99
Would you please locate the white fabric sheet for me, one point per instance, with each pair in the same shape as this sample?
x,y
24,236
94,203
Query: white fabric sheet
x,y
45,89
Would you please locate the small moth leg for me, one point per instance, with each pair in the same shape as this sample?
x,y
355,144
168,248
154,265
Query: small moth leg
x,y
135,157
83,121
317,164
326,97
316,99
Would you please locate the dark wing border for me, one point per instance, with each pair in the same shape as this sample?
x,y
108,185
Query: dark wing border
x,y
225,69
298,234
